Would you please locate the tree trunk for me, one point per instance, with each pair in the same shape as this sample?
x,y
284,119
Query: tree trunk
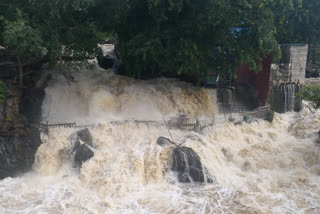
x,y
20,67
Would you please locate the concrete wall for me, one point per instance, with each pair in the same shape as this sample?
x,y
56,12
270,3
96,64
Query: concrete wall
x,y
292,66
312,81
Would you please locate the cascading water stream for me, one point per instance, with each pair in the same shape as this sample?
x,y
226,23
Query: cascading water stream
x,y
258,168
284,97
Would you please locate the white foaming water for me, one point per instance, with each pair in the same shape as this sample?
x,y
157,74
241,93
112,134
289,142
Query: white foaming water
x,y
100,95
259,168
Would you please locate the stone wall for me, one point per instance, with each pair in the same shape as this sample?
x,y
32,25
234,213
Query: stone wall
x,y
286,77
292,66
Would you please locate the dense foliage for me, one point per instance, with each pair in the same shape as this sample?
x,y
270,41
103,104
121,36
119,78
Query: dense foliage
x,y
192,36
158,36
48,29
300,23
311,94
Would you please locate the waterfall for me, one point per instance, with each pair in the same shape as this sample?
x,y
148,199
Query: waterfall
x,y
260,167
100,95
284,97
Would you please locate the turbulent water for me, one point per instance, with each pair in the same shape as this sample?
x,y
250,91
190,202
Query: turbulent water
x,y
100,96
259,168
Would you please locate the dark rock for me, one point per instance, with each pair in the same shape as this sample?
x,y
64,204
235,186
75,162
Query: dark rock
x,y
30,104
318,139
85,136
162,141
17,152
82,154
238,123
186,163
106,62
82,147
269,116
249,119
231,119
118,67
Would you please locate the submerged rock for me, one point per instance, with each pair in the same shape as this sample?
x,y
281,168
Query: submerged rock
x,y
318,139
249,119
163,141
186,163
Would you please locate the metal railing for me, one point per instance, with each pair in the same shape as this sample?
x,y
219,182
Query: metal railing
x,y
182,122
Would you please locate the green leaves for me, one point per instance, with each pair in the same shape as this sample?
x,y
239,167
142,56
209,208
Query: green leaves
x,y
298,21
160,36
187,33
311,94
22,40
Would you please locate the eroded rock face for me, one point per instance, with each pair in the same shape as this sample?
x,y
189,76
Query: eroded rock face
x,y
19,139
186,163
17,152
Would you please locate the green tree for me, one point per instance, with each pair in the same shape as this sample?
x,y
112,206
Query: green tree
x,y
186,36
63,30
23,42
299,23
66,28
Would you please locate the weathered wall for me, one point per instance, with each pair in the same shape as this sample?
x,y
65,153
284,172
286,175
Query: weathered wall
x,y
292,66
286,77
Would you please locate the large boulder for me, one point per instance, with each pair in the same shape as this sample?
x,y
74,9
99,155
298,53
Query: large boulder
x,y
83,145
186,163
82,154
85,136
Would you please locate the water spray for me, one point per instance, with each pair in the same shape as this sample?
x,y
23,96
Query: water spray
x,y
167,128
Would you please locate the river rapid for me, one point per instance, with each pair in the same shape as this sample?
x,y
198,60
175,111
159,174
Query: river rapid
x,y
260,167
